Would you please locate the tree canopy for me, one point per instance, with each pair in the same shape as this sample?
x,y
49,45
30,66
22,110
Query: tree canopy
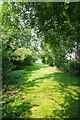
x,y
55,25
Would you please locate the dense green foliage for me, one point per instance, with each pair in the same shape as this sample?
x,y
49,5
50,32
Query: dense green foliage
x,y
16,39
57,27
22,57
59,23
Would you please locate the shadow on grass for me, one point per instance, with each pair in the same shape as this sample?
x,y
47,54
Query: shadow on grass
x,y
15,79
71,106
69,109
17,111
62,78
66,79
35,67
11,88
11,92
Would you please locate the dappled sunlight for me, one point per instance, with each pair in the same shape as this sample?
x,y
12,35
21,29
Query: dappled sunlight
x,y
66,81
40,60
42,92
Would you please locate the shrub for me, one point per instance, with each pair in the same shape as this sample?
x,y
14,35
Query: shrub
x,y
22,57
50,61
43,60
72,66
6,65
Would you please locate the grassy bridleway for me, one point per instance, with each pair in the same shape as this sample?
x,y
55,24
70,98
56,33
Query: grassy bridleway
x,y
40,91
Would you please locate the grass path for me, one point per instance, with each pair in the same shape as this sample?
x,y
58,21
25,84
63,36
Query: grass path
x,y
41,91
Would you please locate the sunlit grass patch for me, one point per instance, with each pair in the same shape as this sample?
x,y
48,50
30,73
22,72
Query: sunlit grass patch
x,y
41,92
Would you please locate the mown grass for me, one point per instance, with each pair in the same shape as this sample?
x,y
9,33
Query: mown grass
x,y
40,91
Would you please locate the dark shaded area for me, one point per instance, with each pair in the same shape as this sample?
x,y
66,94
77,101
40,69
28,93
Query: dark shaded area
x,y
36,67
15,76
13,79
61,78
10,94
66,81
71,105
70,108
15,112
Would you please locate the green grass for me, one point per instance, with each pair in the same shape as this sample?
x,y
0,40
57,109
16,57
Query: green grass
x,y
40,91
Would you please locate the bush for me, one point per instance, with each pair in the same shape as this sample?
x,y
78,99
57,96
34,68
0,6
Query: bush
x,y
22,57
50,61
59,63
43,60
72,66
6,65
